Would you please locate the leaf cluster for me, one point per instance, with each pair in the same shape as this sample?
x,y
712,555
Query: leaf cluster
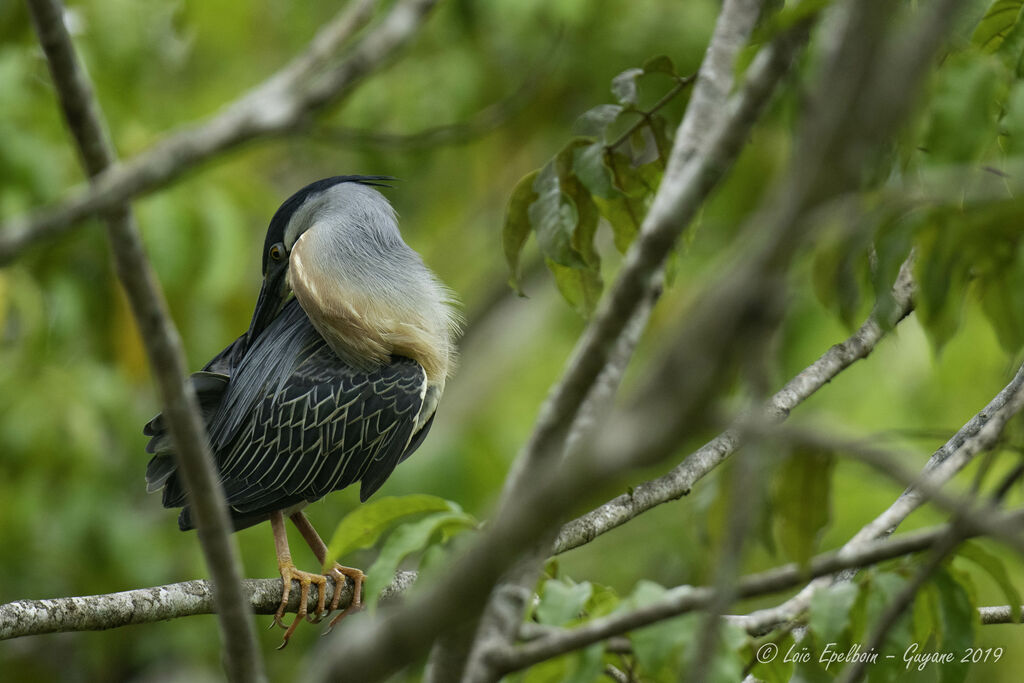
x,y
608,173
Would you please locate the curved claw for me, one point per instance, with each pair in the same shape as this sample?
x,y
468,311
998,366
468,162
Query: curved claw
x,y
305,579
339,573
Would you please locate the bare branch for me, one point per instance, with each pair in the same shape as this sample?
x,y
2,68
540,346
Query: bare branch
x,y
242,659
396,638
148,605
969,518
1001,614
278,105
979,434
688,181
680,480
688,598
898,604
578,402
594,371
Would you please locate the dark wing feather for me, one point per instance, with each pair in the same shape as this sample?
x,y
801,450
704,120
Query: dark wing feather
x,y
294,422
328,427
210,385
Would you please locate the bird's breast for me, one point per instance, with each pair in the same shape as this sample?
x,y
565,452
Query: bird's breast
x,y
362,326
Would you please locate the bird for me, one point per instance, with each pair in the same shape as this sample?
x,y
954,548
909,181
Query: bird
x,y
336,381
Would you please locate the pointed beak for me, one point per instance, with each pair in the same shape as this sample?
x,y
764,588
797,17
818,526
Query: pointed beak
x,y
273,296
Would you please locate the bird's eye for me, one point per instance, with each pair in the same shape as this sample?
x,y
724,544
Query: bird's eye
x,y
277,252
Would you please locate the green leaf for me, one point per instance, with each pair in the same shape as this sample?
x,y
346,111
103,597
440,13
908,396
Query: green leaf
x,y
652,86
927,624
1011,50
997,23
405,540
958,621
839,269
584,666
1002,296
624,212
995,568
364,525
1012,123
1003,304
517,226
565,218
659,128
603,601
963,111
562,602
659,64
580,287
587,665
830,611
774,668
554,218
624,86
803,502
589,165
657,646
586,227
885,587
728,660
941,273
594,122
626,177
892,246
772,22
624,215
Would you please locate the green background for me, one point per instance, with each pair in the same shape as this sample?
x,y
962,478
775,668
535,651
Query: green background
x,y
75,389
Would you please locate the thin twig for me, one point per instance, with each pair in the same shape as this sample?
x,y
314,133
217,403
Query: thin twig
x,y
278,105
688,598
242,658
969,518
680,480
1001,614
645,116
574,405
979,434
683,189
898,605
890,464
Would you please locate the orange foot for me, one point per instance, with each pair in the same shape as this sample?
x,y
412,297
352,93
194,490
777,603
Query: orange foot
x,y
338,574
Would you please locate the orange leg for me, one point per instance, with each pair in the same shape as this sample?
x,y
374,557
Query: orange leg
x,y
289,573
338,573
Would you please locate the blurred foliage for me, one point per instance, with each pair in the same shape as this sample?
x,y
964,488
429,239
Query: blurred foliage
x,y
75,518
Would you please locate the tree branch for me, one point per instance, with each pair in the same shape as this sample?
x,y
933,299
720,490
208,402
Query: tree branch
x,y
576,404
890,464
242,659
1001,614
148,605
680,480
278,105
898,604
969,518
687,182
980,433
394,640
688,598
